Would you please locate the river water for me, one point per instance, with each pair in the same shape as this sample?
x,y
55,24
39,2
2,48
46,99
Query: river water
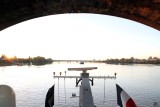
x,y
31,84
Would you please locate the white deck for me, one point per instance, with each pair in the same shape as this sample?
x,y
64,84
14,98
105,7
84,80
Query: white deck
x,y
86,99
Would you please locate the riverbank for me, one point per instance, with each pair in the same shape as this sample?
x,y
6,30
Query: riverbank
x,y
25,61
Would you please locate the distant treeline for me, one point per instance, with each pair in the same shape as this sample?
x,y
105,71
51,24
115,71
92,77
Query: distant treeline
x,y
132,60
39,60
4,61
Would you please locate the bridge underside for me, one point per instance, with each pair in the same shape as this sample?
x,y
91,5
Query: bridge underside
x,y
143,11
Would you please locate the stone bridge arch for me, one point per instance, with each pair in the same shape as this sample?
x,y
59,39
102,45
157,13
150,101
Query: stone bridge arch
x,y
143,11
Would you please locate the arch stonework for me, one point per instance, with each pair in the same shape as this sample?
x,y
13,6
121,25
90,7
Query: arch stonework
x,y
144,11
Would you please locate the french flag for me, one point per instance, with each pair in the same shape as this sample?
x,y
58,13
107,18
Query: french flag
x,y
123,99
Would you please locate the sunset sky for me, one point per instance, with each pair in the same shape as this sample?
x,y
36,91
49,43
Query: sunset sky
x,y
80,36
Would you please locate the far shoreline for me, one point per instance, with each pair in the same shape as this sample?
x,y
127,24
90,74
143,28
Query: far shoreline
x,y
39,61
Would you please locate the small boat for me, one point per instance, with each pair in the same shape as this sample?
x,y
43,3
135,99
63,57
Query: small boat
x,y
81,62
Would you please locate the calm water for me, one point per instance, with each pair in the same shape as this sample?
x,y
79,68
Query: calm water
x,y
31,84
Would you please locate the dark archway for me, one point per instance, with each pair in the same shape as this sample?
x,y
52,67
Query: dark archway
x,y
143,11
